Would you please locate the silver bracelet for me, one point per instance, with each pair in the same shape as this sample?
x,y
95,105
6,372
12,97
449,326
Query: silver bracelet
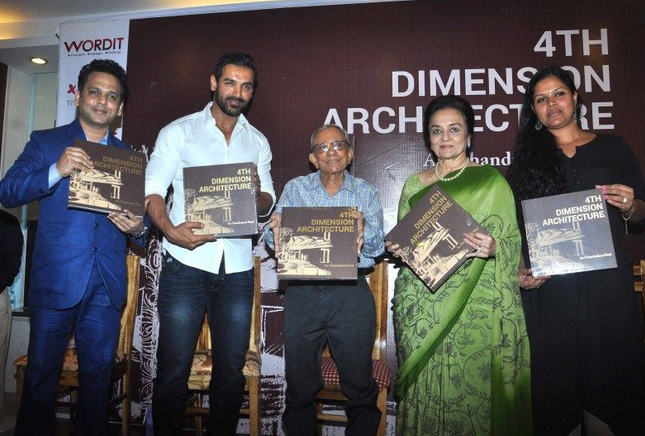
x,y
626,218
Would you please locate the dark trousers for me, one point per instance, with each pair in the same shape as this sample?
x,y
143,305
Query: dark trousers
x,y
342,314
95,322
185,293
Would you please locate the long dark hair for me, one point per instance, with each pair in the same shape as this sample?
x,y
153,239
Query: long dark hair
x,y
536,170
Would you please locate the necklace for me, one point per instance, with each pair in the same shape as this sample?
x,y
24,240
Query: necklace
x,y
447,179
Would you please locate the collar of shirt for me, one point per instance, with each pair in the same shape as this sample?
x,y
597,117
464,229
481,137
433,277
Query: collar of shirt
x,y
211,123
348,183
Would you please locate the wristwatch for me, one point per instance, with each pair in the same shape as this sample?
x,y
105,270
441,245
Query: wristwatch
x,y
142,232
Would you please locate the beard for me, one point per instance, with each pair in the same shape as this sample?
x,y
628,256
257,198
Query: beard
x,y
230,111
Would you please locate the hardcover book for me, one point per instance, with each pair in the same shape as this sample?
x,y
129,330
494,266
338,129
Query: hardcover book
x,y
431,237
115,183
318,243
222,197
568,233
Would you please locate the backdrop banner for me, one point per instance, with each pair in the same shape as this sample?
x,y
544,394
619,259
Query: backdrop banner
x,y
372,68
80,44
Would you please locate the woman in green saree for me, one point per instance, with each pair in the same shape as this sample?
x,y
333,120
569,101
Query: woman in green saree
x,y
463,351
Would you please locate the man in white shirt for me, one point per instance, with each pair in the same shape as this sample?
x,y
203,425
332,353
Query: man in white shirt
x,y
201,273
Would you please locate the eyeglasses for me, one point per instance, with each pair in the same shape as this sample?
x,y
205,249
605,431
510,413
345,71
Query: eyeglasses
x,y
324,146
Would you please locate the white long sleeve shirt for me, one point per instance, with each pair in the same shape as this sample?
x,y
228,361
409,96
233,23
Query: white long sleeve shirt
x,y
195,140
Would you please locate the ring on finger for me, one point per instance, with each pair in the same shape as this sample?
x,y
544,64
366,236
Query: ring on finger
x,y
479,249
624,200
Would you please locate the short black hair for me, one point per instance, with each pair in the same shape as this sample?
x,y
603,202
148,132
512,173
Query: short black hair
x,y
239,59
105,66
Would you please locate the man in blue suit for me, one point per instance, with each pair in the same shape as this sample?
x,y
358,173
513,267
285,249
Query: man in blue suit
x,y
78,277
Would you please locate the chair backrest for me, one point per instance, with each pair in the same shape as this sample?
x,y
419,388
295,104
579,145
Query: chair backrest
x,y
126,329
204,339
377,280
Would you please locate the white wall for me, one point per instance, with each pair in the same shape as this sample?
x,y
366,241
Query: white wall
x,y
30,105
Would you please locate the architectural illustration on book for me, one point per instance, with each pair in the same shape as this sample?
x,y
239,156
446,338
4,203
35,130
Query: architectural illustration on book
x,y
296,249
546,251
430,265
212,210
96,188
113,184
431,236
222,198
568,233
317,243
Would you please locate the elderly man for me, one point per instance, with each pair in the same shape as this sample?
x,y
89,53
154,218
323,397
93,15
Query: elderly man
x,y
336,311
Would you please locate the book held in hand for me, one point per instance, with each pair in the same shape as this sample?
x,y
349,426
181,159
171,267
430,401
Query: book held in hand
x,y
115,183
318,243
222,197
431,237
568,233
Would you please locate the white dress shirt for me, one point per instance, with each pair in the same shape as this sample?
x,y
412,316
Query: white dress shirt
x,y
194,140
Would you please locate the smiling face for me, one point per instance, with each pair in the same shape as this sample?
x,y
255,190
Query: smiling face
x,y
99,102
233,90
448,134
333,161
554,103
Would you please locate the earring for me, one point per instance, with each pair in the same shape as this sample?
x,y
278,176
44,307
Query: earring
x,y
538,125
575,116
468,146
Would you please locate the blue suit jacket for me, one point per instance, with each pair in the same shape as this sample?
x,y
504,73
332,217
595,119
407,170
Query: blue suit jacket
x,y
68,241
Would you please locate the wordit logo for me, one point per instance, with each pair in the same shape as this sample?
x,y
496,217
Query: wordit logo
x,y
98,44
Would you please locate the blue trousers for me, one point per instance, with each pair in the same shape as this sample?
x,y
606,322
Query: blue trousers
x,y
95,322
343,314
185,294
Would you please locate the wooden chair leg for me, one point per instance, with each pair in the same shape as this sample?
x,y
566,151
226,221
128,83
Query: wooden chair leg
x,y
381,403
198,417
20,381
127,411
254,407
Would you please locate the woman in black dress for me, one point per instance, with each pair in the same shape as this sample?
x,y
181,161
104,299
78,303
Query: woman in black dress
x,y
585,329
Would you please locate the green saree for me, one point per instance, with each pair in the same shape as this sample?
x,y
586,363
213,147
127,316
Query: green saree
x,y
463,351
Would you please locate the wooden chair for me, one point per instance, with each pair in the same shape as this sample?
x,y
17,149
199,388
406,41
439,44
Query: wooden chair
x,y
121,373
200,373
639,276
331,393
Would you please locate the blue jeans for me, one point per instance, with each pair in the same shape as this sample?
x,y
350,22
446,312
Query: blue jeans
x,y
185,293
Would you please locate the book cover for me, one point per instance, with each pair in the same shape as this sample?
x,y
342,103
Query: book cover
x,y
568,233
318,243
222,197
431,237
115,183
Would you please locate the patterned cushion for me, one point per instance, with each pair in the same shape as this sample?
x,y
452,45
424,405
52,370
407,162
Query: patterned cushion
x,y
380,372
70,362
203,364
